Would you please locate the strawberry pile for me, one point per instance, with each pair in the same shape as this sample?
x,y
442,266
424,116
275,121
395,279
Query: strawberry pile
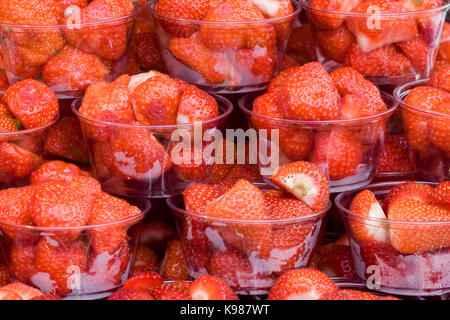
x,y
426,119
66,58
216,47
137,157
309,94
405,233
62,251
230,228
28,107
374,40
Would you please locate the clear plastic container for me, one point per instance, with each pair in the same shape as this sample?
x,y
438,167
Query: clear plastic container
x,y
148,161
206,245
347,151
67,57
426,132
42,258
20,153
230,66
386,47
383,268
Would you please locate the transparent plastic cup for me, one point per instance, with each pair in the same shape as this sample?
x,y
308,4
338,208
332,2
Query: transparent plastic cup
x,y
385,269
427,133
218,247
92,266
386,47
224,64
152,161
20,153
67,57
347,151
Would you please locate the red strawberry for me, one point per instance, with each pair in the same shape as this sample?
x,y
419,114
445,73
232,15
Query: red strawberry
x,y
109,209
21,262
148,50
441,79
349,294
108,40
47,297
211,288
15,65
394,155
173,266
259,63
15,162
8,124
440,65
302,284
335,44
196,106
65,140
366,205
305,181
243,201
146,260
418,52
190,161
54,171
416,238
338,152
375,33
323,20
381,62
156,101
335,260
147,281
441,195
301,44
196,197
418,191
438,127
73,70
266,105
192,52
183,284
60,263
171,292
131,294
25,292
354,107
296,143
301,91
32,102
416,129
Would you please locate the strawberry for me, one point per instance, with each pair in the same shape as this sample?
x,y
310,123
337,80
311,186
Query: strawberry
x,y
108,209
5,277
184,9
173,266
302,284
15,162
16,66
418,52
440,65
171,292
416,128
383,31
9,295
301,91
131,294
59,263
107,40
296,143
149,53
438,127
394,155
381,62
192,52
349,294
349,81
441,79
259,62
243,201
198,196
338,152
196,106
266,105
8,124
301,44
334,44
54,171
4,110
25,292
335,260
73,70
65,140
141,155
21,262
211,288
367,206
147,281
414,190
183,284
322,20
305,181
416,238
146,260
15,204
276,84
47,297
441,195
354,107
32,102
